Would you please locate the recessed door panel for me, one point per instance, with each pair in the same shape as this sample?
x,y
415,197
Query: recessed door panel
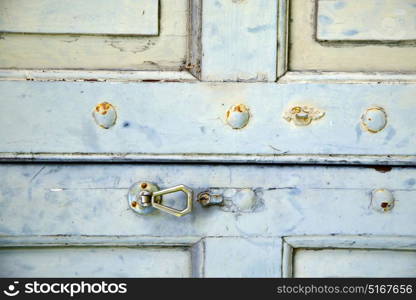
x,y
354,263
183,121
366,20
78,218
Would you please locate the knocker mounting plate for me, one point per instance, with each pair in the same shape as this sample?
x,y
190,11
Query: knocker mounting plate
x,y
145,197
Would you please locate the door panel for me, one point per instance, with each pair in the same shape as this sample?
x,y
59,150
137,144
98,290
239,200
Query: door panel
x,y
354,263
104,37
349,256
95,262
368,20
324,37
138,95
260,200
139,256
251,56
80,17
189,121
86,205
242,257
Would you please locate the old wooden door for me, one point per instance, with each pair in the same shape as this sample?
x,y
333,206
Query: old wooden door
x,y
291,122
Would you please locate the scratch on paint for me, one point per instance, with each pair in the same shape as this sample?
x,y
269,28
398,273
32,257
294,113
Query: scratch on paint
x,y
37,173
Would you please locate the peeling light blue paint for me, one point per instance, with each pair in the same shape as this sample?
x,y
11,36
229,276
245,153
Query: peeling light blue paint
x,y
411,182
351,32
365,20
26,229
181,125
403,143
218,4
358,131
4,230
26,267
259,28
325,20
151,135
213,29
295,191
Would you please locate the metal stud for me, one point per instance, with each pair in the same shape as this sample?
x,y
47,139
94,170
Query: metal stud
x,y
374,119
238,116
105,115
382,200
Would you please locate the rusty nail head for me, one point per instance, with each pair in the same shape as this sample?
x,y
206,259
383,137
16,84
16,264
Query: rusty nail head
x,y
105,115
237,116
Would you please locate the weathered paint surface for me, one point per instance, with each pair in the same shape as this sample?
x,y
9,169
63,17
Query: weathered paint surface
x,y
356,256
105,115
167,51
85,205
385,20
80,17
92,200
239,40
242,257
353,263
309,54
382,200
81,256
398,242
189,119
238,116
96,75
303,115
95,262
374,119
67,213
232,199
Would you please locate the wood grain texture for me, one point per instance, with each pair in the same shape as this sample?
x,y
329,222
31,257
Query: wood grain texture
x,y
115,17
369,20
